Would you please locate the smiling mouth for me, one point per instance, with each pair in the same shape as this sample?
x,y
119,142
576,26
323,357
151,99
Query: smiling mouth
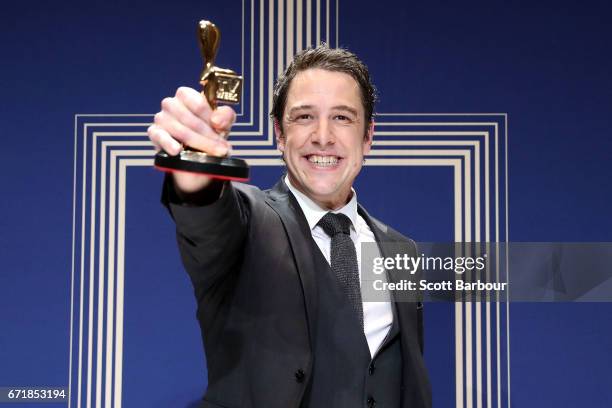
x,y
323,161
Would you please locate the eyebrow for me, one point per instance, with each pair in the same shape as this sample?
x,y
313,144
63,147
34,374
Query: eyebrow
x,y
346,108
337,107
299,108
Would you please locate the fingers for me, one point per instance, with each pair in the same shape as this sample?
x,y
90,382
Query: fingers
x,y
163,141
195,102
187,119
177,110
209,141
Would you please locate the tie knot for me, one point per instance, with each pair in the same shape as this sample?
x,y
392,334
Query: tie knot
x,y
334,224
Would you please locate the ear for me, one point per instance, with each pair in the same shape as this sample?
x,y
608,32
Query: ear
x,y
280,138
369,136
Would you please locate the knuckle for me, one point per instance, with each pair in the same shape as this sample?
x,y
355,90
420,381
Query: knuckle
x,y
158,118
182,92
152,132
155,139
199,105
198,108
166,103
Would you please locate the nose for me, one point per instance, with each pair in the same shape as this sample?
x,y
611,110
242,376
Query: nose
x,y
323,133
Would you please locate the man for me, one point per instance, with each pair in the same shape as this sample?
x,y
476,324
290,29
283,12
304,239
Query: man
x,y
275,272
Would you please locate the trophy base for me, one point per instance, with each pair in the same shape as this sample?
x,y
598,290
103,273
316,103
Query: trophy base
x,y
223,168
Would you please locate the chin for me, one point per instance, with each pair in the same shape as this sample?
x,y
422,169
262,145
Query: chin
x,y
325,194
322,189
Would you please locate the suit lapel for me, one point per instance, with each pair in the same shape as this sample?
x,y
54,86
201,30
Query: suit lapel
x,y
380,234
300,237
406,311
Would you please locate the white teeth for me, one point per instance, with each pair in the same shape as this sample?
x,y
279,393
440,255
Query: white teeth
x,y
323,161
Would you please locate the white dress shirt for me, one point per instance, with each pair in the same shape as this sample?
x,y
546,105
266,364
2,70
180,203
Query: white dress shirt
x,y
377,316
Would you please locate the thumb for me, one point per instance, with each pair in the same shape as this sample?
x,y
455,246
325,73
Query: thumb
x,y
222,119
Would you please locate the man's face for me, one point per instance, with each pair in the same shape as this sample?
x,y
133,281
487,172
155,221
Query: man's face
x,y
323,135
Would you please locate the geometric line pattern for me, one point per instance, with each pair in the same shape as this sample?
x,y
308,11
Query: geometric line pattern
x,y
474,146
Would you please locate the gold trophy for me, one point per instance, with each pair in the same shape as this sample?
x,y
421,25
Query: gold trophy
x,y
218,85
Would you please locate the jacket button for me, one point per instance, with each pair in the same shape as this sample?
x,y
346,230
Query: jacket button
x,y
371,368
371,402
299,375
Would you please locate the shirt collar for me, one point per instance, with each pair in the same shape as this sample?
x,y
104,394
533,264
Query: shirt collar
x,y
313,212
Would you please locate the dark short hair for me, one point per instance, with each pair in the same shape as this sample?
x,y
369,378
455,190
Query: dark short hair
x,y
330,59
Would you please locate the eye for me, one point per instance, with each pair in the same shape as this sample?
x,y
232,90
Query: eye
x,y
302,118
343,118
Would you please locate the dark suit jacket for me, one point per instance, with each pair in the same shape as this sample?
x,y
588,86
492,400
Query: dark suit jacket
x,y
249,257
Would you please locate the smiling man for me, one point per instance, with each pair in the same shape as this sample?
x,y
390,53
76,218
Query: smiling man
x,y
276,273
323,133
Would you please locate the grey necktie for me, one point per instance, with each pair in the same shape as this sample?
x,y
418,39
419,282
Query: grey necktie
x,y
344,258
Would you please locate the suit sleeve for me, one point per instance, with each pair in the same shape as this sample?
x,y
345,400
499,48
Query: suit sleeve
x,y
210,237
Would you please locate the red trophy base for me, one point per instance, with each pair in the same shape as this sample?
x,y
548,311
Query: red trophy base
x,y
223,168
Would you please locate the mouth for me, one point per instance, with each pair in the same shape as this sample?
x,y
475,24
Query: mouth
x,y
325,161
